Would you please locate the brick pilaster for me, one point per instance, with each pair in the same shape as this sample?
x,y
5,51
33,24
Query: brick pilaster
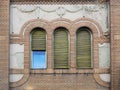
x,y
4,44
115,44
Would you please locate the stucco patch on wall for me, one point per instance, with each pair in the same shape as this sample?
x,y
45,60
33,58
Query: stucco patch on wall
x,y
24,18
15,77
23,13
104,55
16,56
105,77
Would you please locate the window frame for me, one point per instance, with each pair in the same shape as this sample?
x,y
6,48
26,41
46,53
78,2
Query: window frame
x,y
31,51
68,35
91,36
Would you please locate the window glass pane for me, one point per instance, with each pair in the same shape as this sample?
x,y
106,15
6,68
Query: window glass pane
x,y
38,47
38,59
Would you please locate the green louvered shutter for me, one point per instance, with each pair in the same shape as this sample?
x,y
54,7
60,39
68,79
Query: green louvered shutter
x,y
61,48
83,48
39,39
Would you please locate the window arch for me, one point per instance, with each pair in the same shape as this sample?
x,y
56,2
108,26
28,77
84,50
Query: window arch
x,y
61,48
83,48
38,48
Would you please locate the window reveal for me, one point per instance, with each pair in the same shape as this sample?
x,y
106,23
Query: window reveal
x,y
38,48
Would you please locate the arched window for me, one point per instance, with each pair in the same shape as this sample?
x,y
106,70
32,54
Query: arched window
x,y
83,48
38,48
61,48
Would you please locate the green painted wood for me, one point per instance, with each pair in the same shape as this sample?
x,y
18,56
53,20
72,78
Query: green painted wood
x,y
39,39
83,48
61,48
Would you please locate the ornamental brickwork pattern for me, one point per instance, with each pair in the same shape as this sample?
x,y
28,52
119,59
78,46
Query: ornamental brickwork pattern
x,y
58,1
4,51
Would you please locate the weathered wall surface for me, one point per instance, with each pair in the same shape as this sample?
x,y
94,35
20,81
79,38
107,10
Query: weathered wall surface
x,y
17,56
61,82
4,44
24,17
20,14
104,55
115,44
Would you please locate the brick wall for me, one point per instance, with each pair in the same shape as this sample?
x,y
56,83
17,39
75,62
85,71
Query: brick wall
x,y
61,82
115,44
61,79
115,57
4,44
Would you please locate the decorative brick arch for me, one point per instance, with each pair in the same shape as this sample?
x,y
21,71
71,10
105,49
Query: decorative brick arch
x,y
97,32
99,81
49,27
65,23
25,37
28,26
92,24
61,22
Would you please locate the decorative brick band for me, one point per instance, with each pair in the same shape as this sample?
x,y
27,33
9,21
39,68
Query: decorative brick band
x,y
51,71
58,1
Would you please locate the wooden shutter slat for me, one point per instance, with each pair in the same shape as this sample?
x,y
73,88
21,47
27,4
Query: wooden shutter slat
x,y
61,48
39,39
83,48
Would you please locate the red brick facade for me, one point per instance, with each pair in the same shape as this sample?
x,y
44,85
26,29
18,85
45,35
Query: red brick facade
x,y
72,26
4,45
69,79
115,44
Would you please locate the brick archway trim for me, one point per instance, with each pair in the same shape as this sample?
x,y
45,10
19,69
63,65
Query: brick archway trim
x,y
50,26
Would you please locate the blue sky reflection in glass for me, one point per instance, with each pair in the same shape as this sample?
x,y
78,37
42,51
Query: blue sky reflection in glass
x,y
39,59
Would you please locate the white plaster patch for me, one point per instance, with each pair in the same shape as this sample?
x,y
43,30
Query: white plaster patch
x,y
20,14
16,56
15,77
104,55
105,77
